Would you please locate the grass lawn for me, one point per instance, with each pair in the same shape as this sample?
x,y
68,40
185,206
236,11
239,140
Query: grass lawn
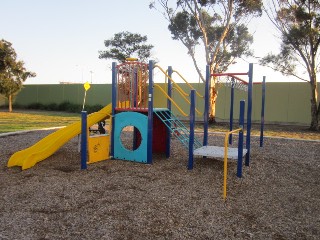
x,y
271,130
28,120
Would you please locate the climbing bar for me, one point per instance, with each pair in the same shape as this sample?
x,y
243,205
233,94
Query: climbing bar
x,y
165,73
174,103
225,161
227,74
243,81
187,83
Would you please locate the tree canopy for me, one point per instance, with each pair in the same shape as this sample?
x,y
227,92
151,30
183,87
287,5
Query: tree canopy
x,y
298,22
125,44
219,27
12,72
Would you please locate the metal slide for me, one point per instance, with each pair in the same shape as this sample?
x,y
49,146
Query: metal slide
x,y
47,146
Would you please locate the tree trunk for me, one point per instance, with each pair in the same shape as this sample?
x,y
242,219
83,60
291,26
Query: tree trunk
x,y
314,126
10,102
213,98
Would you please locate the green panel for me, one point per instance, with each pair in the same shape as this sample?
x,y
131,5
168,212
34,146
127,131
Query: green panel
x,y
299,106
159,100
73,93
276,102
222,102
28,95
285,102
99,94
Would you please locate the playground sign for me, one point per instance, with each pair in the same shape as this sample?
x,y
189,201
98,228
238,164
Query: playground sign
x,y
86,86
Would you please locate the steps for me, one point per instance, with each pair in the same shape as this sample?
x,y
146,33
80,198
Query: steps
x,y
176,127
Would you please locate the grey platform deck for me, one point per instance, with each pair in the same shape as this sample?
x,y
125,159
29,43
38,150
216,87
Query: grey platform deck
x,y
218,152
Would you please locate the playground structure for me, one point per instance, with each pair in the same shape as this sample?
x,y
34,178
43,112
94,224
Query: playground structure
x,y
133,106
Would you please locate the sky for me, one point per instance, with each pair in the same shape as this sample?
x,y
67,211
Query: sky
x,y
59,40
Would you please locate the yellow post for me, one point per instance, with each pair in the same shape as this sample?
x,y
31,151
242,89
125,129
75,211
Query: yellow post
x,y
225,161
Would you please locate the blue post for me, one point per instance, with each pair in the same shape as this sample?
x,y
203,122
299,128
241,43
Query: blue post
x,y
84,140
240,141
192,122
169,87
249,113
231,109
206,107
168,139
114,105
262,109
150,113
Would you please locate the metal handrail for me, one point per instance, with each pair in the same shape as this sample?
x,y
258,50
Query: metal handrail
x,y
164,72
187,83
174,103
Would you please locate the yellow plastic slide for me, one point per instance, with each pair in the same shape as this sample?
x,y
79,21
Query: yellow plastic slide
x,y
47,146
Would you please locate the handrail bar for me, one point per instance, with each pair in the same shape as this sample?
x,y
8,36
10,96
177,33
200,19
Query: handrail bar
x,y
187,83
164,72
174,103
187,100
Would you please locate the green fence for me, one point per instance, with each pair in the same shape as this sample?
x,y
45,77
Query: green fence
x,y
287,103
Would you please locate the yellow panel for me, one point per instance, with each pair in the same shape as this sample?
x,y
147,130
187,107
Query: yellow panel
x,y
98,147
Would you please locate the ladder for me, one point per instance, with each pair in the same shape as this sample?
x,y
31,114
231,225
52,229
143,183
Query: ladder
x,y
176,127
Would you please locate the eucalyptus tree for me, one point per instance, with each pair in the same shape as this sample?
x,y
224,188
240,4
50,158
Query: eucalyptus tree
x,y
298,22
215,29
12,72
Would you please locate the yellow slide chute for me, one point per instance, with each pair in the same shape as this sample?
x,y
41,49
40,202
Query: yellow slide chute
x,y
47,146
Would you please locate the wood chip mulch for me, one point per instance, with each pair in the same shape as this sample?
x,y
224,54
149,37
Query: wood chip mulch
x,y
277,198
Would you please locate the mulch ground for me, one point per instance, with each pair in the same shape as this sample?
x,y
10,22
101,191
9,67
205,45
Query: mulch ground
x,y
277,198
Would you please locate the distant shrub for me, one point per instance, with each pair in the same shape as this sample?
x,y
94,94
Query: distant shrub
x,y
63,107
52,107
17,106
94,108
69,107
36,106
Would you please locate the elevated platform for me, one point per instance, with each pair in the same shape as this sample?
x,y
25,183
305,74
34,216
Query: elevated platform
x,y
218,152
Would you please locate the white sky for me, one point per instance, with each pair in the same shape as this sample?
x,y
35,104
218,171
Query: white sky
x,y
60,39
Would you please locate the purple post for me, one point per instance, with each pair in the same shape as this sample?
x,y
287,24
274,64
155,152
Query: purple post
x,y
206,107
240,141
262,109
84,140
192,122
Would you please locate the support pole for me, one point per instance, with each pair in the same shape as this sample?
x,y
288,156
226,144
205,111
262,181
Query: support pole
x,y
135,105
84,140
168,138
192,122
150,113
249,114
240,141
206,107
262,109
231,110
135,88
114,104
